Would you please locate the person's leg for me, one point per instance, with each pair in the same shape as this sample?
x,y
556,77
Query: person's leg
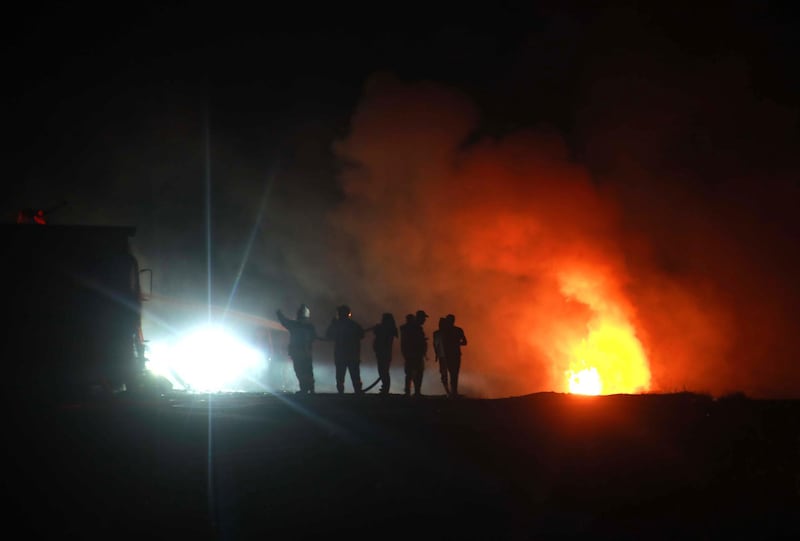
x,y
443,374
418,377
409,370
308,366
454,368
340,371
354,366
297,363
383,374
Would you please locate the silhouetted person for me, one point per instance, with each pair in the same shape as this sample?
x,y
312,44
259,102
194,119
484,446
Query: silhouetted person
x,y
301,337
438,348
452,339
414,346
385,333
346,335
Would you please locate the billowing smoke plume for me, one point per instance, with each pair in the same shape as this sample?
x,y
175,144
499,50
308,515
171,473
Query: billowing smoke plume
x,y
505,234
558,278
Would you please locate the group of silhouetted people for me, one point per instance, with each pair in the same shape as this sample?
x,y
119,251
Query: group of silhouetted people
x,y
346,334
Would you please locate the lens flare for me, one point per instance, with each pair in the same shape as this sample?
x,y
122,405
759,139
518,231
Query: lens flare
x,y
209,359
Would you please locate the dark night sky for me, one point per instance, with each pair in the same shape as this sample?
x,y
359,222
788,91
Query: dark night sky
x,y
674,111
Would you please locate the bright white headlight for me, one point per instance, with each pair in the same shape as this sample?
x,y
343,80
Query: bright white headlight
x,y
208,359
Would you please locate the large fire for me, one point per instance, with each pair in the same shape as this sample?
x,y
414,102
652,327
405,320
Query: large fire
x,y
610,358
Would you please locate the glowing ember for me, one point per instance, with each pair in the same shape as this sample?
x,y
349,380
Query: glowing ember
x,y
587,381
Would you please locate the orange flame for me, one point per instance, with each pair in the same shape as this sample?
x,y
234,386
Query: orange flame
x,y
610,359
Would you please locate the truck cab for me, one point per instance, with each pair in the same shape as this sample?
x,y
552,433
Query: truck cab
x,y
74,303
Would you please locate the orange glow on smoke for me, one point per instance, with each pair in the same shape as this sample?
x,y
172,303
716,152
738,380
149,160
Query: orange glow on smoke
x,y
509,234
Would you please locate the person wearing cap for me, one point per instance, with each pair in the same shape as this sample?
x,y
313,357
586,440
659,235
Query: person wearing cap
x,y
301,337
414,346
346,335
